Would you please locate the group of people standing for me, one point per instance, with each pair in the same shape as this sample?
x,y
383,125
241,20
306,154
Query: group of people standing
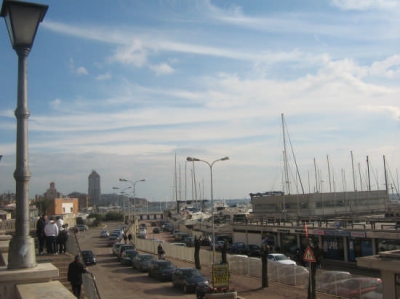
x,y
53,233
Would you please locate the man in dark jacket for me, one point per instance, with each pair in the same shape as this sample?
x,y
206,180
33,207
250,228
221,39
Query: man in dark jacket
x,y
75,271
41,223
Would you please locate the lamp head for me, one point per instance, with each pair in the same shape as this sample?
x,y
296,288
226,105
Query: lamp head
x,y
22,20
191,159
225,158
123,180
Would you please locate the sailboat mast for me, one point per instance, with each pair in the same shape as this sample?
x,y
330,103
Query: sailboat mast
x,y
285,161
329,174
369,176
352,167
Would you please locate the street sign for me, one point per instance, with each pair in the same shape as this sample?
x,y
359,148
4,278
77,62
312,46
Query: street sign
x,y
220,275
309,256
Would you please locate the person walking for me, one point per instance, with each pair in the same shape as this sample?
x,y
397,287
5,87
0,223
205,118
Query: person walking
x,y
40,225
161,252
62,239
75,271
51,231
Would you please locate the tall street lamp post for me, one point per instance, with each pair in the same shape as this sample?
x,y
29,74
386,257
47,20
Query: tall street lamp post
x,y
22,20
134,193
122,192
192,159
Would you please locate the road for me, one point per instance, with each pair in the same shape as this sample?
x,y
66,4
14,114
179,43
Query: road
x,y
121,282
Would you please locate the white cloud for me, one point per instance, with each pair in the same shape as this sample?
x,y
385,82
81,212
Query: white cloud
x,y
105,76
364,4
134,54
389,68
162,69
81,71
55,104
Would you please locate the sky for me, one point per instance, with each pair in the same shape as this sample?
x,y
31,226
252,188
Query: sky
x,y
126,88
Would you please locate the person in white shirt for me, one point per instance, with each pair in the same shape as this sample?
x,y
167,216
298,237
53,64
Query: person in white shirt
x,y
51,232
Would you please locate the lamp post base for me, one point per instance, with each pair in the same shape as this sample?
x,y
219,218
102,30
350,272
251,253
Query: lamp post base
x,y
21,253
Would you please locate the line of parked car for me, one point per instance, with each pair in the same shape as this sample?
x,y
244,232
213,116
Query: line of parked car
x,y
186,279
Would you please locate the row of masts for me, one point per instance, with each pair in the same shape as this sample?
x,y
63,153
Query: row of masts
x,y
357,183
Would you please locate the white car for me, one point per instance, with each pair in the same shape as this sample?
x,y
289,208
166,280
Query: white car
x,y
280,258
104,233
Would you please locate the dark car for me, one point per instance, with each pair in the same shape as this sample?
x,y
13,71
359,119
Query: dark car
x,y
188,279
161,270
82,227
123,248
127,256
88,257
189,241
205,241
237,248
252,250
156,230
142,261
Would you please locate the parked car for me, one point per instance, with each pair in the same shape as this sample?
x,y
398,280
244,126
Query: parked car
x,y
218,245
189,241
156,230
161,269
280,258
123,248
224,237
252,250
82,227
177,244
88,257
237,248
112,240
179,237
142,234
127,256
104,233
142,261
188,279
356,287
205,241
115,249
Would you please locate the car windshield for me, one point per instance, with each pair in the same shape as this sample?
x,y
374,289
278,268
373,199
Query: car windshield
x,y
131,253
281,257
166,266
192,273
146,257
87,253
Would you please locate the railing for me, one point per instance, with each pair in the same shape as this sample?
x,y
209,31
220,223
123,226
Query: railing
x,y
326,281
89,281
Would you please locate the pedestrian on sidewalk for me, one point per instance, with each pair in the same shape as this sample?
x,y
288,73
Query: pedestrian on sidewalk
x,y
75,271
51,231
40,225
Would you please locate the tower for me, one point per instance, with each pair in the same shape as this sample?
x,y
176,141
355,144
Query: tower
x,y
94,188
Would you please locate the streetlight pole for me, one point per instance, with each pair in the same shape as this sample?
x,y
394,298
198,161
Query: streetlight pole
x,y
192,159
122,192
22,20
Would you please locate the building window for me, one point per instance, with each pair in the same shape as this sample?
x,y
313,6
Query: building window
x,y
72,210
64,210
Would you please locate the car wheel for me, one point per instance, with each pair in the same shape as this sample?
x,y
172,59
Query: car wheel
x,y
149,274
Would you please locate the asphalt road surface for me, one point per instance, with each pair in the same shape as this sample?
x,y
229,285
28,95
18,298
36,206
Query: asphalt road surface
x,y
122,282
